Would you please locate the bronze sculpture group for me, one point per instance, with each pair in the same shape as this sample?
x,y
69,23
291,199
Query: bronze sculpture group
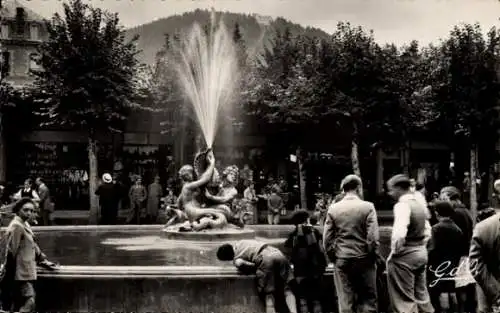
x,y
206,197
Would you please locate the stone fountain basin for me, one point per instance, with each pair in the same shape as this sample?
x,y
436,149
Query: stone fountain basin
x,y
172,288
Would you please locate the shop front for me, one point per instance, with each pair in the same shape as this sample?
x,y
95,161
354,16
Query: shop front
x,y
61,159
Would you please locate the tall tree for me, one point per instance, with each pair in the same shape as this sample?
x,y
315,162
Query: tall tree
x,y
284,94
356,80
467,88
408,109
88,77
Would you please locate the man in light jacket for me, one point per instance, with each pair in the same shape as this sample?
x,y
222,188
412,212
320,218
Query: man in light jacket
x,y
351,239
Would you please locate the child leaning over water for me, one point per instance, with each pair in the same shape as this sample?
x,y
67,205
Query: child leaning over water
x,y
272,269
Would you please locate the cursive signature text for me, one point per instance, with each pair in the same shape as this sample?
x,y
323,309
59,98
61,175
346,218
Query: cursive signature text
x,y
446,271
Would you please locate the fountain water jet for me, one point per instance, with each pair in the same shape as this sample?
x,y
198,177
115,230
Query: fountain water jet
x,y
207,73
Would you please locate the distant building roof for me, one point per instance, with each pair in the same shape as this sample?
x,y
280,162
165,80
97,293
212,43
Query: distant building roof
x,y
9,9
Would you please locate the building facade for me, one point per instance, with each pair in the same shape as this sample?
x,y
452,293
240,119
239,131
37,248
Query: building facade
x,y
21,32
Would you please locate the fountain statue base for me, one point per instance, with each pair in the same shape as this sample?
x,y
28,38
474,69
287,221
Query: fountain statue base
x,y
228,233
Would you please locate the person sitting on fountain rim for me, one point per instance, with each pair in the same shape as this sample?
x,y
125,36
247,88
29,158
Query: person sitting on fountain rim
x,y
272,269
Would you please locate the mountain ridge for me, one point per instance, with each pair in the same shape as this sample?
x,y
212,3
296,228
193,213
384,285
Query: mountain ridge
x,y
257,30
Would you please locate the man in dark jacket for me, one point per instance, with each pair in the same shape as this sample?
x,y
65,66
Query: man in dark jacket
x,y
444,254
466,291
109,199
305,250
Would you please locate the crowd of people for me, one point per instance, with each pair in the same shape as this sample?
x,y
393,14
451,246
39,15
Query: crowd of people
x,y
438,261
144,203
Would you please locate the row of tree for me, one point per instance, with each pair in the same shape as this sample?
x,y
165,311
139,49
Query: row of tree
x,y
383,94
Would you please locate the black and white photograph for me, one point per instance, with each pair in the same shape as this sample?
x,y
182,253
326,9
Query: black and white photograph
x,y
250,156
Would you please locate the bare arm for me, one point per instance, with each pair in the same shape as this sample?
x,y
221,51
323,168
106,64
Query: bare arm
x,y
242,263
178,203
222,199
400,227
427,231
488,283
35,195
205,177
17,195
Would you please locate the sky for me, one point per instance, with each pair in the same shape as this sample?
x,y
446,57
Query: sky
x,y
396,21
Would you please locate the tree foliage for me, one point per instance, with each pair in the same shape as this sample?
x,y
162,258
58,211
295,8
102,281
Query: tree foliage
x,y
282,88
89,70
466,85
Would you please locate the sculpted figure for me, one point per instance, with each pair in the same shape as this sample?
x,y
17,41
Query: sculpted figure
x,y
226,195
193,192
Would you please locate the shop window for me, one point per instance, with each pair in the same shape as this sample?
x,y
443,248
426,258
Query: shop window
x,y
35,32
33,62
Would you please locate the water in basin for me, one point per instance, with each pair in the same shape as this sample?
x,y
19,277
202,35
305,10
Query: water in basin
x,y
143,247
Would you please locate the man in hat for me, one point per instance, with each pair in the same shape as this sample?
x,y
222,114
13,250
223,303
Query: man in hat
x,y
407,261
351,239
109,198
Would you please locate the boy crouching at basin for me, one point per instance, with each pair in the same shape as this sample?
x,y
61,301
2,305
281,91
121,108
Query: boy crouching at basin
x,y
272,269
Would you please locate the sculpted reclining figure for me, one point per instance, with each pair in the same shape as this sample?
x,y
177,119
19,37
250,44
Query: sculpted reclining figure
x,y
197,204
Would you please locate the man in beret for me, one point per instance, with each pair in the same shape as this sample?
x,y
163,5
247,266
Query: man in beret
x,y
407,261
351,239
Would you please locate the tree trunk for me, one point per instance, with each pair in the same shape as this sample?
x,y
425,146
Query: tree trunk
x,y
302,179
405,157
473,185
3,157
380,170
355,155
93,168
